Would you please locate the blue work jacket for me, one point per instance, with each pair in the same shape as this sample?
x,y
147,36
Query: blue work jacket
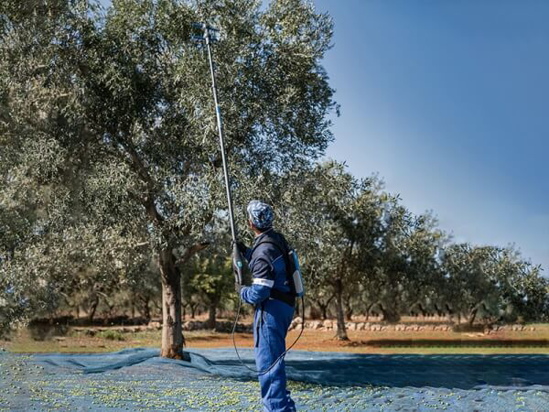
x,y
268,267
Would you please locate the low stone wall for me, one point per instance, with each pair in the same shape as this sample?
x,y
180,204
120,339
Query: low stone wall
x,y
189,325
220,326
329,325
320,325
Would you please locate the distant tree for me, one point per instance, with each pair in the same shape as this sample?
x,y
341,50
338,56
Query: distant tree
x,y
142,285
336,228
210,279
387,279
424,279
471,274
523,291
321,296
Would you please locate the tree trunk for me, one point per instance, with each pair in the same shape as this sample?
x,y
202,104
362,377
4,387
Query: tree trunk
x,y
341,330
440,312
194,307
349,312
473,316
324,311
390,315
172,335
93,308
367,311
420,309
212,314
146,309
323,306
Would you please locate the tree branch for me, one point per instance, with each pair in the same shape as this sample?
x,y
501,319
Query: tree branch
x,y
139,167
190,252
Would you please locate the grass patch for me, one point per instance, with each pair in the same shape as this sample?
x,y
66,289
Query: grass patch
x,y
111,335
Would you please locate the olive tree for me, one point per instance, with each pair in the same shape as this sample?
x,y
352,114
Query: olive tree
x,y
111,114
523,292
335,221
408,272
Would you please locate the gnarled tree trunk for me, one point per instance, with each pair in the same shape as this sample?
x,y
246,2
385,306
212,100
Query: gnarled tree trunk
x,y
323,305
341,330
93,308
212,315
324,311
390,314
172,335
172,332
145,308
348,311
473,316
194,307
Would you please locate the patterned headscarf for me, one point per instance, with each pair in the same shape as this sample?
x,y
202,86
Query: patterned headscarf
x,y
261,214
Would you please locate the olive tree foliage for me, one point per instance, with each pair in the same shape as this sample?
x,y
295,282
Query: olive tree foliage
x,y
407,271
121,278
363,244
107,123
333,219
494,284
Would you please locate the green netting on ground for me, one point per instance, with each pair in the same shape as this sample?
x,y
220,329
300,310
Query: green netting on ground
x,y
138,379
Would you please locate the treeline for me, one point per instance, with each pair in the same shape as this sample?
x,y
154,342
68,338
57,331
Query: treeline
x,y
362,252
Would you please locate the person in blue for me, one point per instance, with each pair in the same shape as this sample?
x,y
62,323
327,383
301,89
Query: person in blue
x,y
270,293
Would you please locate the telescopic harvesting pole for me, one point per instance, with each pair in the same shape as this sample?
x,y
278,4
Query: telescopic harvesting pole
x,y
237,258
238,266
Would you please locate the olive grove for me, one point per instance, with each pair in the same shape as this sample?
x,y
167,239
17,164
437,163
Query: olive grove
x,y
111,191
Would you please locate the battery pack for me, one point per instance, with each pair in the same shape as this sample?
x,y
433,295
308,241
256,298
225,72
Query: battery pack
x,y
297,278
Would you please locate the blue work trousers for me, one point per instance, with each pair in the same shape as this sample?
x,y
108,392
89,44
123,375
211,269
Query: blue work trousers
x,y
271,321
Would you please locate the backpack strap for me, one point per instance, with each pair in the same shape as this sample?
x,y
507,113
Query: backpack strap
x,y
287,298
282,250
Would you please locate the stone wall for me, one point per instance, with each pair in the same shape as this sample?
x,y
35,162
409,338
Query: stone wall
x,y
329,325
320,325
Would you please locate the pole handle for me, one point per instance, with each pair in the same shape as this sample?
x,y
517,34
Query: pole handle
x,y
238,265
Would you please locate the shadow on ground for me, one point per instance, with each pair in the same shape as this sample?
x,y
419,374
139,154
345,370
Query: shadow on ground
x,y
454,343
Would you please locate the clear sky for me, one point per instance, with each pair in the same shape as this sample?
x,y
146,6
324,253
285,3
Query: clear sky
x,y
449,102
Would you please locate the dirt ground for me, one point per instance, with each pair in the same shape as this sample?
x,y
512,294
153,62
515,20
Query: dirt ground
x,y
387,342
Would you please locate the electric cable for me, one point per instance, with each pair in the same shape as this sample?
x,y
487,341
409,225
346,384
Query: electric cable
x,y
260,373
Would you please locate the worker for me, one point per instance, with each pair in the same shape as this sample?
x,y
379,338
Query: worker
x,y
270,292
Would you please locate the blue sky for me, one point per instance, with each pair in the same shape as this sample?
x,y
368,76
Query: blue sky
x,y
448,102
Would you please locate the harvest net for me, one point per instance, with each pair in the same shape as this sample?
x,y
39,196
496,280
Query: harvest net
x,y
214,380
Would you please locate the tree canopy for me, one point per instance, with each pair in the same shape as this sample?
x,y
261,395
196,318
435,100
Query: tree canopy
x,y
109,124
